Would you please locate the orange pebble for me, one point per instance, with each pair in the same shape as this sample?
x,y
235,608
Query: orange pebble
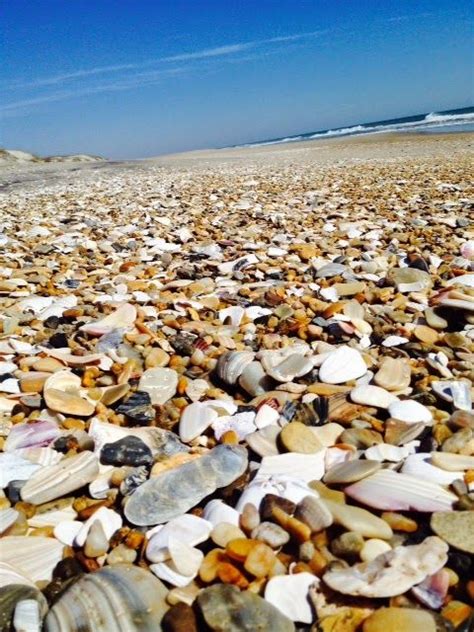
x,y
230,437
260,560
210,563
239,548
230,574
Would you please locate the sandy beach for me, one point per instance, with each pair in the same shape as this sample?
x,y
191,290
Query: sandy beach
x,y
236,385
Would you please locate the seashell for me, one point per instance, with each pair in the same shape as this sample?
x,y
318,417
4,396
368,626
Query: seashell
x,y
393,374
62,393
186,559
452,462
28,616
112,394
306,467
342,365
123,318
373,548
188,529
254,380
110,520
393,491
26,435
241,423
174,492
58,480
113,599
40,456
393,572
7,518
433,590
167,572
457,392
266,416
160,383
394,341
195,419
7,367
52,518
358,519
288,368
196,389
217,511
351,471
15,468
410,411
9,575
231,365
465,280
388,452
232,315
467,250
313,512
67,530
7,405
419,465
369,395
23,608
289,594
34,558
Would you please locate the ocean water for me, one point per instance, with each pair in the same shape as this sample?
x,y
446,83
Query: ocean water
x,y
446,121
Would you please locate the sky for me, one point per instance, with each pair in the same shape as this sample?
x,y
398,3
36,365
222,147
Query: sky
x,y
139,78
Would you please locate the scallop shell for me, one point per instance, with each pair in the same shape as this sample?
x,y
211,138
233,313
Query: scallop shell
x,y
189,529
113,599
342,365
7,518
58,480
232,364
289,594
34,558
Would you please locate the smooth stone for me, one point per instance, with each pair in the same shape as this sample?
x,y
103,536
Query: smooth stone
x,y
264,441
358,519
369,395
351,471
224,532
112,599
400,433
180,618
327,434
434,320
160,383
452,462
306,467
410,411
54,481
127,451
97,542
342,365
456,528
398,620
185,558
297,437
392,573
394,374
330,270
289,594
271,533
254,380
373,548
174,492
226,608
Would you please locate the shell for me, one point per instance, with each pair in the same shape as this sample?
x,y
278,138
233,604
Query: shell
x,y
351,471
420,465
174,492
62,393
342,365
410,411
289,593
392,573
58,480
110,520
306,467
189,529
7,518
160,383
40,433
113,599
123,318
285,368
254,379
195,419
231,365
457,392
15,468
393,491
369,395
34,558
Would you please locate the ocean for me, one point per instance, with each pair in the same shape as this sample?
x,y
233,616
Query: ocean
x,y
461,120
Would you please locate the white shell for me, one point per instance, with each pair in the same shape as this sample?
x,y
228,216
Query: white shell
x,y
188,529
27,616
110,520
410,411
306,467
7,518
195,419
15,468
421,465
35,557
123,318
186,559
9,574
289,594
342,365
369,395
217,511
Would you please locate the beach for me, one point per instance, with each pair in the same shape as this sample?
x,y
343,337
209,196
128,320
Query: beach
x,y
236,385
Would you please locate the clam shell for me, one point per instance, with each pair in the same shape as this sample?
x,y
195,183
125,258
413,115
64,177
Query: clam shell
x,y
7,518
410,411
58,480
62,393
9,574
342,365
113,599
36,434
189,529
195,419
289,594
393,491
34,558
231,365
123,318
392,573
286,369
306,467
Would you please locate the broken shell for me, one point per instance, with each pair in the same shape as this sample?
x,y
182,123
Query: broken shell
x,y
62,393
369,395
195,419
393,572
54,481
410,411
188,529
232,364
123,318
342,365
289,593
35,558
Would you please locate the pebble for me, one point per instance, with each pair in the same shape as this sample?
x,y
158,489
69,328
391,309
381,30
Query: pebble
x,y
351,471
296,437
369,395
127,451
456,528
393,375
358,519
396,619
160,383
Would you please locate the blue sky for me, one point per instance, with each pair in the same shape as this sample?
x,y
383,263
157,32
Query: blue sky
x,y
136,78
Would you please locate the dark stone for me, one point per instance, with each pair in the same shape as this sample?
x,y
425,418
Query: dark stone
x,y
66,443
52,322
461,563
67,568
183,344
58,340
72,283
127,451
14,490
179,618
270,501
138,408
136,478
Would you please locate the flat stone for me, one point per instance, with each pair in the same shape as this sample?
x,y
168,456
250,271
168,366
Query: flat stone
x,y
456,528
358,519
297,437
350,471
398,619
226,608
342,365
127,451
370,395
